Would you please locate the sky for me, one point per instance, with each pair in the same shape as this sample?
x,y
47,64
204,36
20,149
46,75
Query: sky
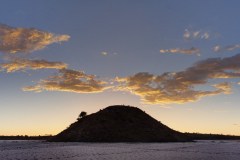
x,y
177,60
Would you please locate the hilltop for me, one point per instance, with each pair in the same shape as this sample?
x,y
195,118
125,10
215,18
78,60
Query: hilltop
x,y
119,124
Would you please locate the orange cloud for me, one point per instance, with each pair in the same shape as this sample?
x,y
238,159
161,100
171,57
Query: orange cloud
x,y
24,64
180,87
14,40
69,81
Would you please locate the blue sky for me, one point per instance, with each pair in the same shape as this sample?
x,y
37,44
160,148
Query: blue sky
x,y
110,39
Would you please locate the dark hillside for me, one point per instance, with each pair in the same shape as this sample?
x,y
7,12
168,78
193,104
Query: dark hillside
x,y
119,124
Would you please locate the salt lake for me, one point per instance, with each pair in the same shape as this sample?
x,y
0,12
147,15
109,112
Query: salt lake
x,y
41,150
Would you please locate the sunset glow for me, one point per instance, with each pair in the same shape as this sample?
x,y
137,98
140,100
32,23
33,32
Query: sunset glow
x,y
177,60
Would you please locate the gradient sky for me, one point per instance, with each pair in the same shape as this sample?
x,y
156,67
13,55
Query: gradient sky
x,y
177,60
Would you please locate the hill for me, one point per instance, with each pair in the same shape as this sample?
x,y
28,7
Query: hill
x,y
119,124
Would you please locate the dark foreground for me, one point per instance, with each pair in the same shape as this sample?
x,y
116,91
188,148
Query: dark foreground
x,y
39,150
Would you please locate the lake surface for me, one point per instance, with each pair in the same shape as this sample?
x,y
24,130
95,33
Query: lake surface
x,y
40,150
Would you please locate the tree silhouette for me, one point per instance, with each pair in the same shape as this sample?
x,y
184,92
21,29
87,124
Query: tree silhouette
x,y
81,115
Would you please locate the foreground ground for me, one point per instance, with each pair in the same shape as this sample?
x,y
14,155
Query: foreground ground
x,y
39,150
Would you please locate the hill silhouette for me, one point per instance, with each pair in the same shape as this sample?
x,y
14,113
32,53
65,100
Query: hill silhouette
x,y
119,124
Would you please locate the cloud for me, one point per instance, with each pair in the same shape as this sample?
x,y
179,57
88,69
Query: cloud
x,y
19,64
25,40
181,87
195,34
69,81
219,48
104,53
190,51
225,87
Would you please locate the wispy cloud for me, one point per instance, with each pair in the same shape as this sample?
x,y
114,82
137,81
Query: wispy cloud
x,y
19,64
190,51
219,48
188,34
225,87
180,87
69,81
14,40
104,53
216,48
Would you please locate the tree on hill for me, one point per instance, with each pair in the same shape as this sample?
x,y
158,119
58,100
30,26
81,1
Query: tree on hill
x,y
81,115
